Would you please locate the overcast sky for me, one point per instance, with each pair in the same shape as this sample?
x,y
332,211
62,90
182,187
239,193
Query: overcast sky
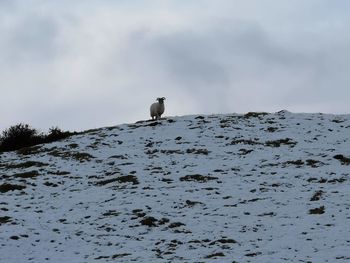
x,y
86,64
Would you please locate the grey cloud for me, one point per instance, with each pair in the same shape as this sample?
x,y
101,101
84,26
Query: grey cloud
x,y
97,62
241,60
7,4
32,39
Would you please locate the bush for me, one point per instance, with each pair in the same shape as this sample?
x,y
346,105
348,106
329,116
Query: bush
x,y
22,135
56,134
19,136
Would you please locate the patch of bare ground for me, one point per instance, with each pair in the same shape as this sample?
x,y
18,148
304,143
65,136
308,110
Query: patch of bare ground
x,y
149,221
79,156
341,158
30,174
4,220
172,152
215,255
122,157
317,195
25,165
50,184
197,151
271,129
10,187
244,141
278,143
31,150
244,151
111,213
317,211
198,178
190,203
114,257
254,115
314,163
223,241
58,172
176,224
121,179
253,254
324,180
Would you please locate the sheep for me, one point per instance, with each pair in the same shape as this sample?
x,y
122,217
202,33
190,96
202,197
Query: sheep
x,y
157,108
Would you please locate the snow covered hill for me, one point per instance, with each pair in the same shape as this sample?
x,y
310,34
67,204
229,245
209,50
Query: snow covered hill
x,y
221,188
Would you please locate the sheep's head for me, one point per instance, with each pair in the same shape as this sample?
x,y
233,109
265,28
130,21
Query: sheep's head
x,y
161,100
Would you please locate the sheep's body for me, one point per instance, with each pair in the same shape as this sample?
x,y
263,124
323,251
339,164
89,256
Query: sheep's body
x,y
157,109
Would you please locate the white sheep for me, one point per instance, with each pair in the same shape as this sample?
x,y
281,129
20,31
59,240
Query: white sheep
x,y
157,108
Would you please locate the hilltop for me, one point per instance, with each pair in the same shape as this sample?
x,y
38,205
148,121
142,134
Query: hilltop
x,y
258,187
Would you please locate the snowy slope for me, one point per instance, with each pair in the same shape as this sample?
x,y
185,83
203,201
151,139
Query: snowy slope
x,y
220,188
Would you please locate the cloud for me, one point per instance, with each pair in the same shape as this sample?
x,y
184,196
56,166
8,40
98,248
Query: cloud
x,y
81,65
241,67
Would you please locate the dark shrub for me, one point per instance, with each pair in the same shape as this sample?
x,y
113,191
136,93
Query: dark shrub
x,y
22,135
56,134
19,136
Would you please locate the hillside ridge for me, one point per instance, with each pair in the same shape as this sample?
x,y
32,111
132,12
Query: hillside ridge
x,y
255,187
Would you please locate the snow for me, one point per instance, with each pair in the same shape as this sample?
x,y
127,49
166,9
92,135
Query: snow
x,y
217,188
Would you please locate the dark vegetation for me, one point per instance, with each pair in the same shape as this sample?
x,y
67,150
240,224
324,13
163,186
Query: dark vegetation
x,y
25,165
318,210
10,187
81,157
121,179
219,254
4,219
344,160
30,174
22,135
197,178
